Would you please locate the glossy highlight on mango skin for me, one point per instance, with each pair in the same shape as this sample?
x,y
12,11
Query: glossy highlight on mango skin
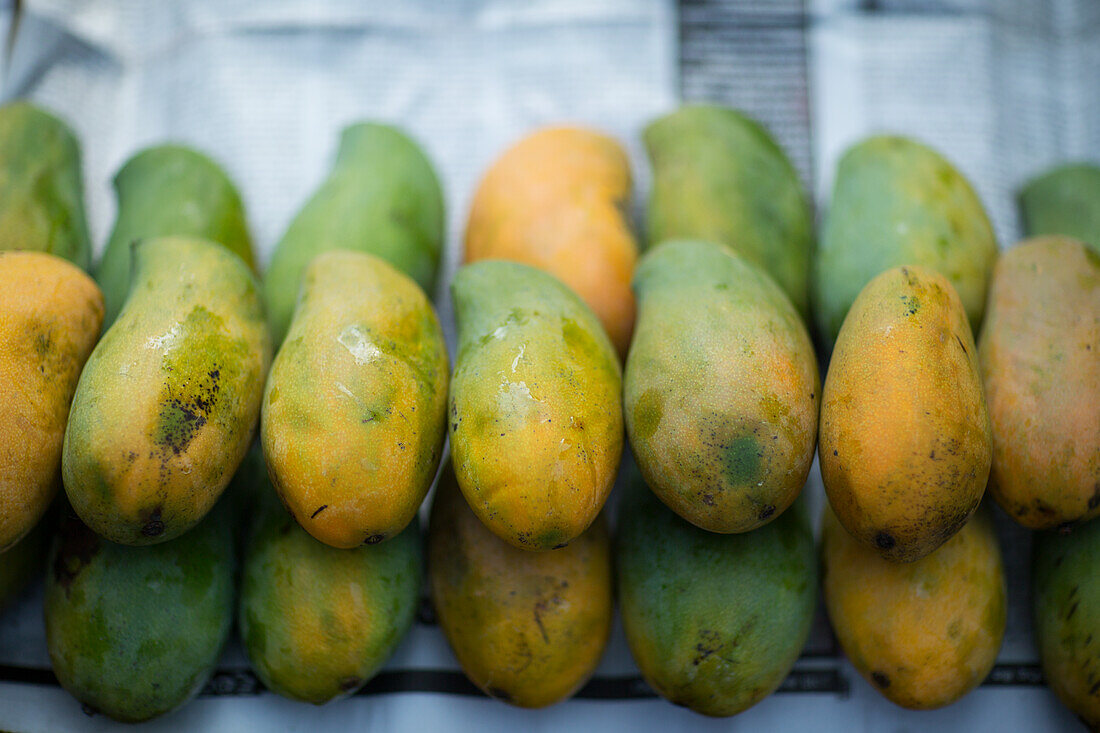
x,y
557,200
319,622
167,404
535,415
355,406
714,621
528,628
721,388
50,316
923,633
1040,355
905,440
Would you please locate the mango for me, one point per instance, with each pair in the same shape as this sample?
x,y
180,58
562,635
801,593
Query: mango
x,y
528,628
719,176
905,442
1064,200
1040,357
714,621
558,200
50,314
41,190
721,388
135,632
23,562
382,197
355,408
535,415
923,633
318,622
168,401
1066,597
169,190
896,202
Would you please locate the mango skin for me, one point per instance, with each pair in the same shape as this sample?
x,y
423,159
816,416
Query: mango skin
x,y
318,622
41,189
721,388
923,633
905,440
1040,356
719,176
528,628
1066,597
1064,200
169,190
23,562
535,377
169,399
355,406
50,315
896,202
135,632
714,621
557,200
381,197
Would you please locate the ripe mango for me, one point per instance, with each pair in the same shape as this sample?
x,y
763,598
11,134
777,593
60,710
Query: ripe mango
x,y
923,633
318,622
721,388
355,407
381,197
1040,356
558,200
41,190
169,190
528,628
1066,593
905,442
50,314
23,562
134,632
714,621
896,202
719,176
535,415
1065,200
168,400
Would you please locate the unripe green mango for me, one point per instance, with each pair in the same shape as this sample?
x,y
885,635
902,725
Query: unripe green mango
x,y
1066,593
721,388
169,190
382,197
41,190
719,176
714,621
23,561
135,632
355,407
317,621
168,401
535,415
896,202
1065,200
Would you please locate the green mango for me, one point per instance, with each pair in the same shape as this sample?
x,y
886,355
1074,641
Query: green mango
x,y
721,388
714,621
22,562
382,197
897,202
1066,592
169,190
719,176
168,401
535,417
1065,200
41,190
317,621
135,632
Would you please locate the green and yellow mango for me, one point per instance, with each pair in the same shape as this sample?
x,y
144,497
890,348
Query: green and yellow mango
x,y
1065,200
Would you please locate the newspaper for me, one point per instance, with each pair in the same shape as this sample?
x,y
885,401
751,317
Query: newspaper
x,y
1005,88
